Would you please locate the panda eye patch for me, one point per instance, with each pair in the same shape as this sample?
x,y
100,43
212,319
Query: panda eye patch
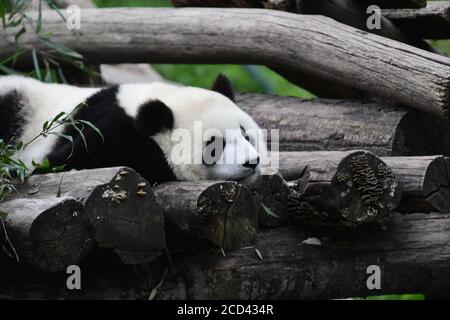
x,y
246,137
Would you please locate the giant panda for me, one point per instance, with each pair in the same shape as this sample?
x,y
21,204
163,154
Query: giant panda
x,y
142,124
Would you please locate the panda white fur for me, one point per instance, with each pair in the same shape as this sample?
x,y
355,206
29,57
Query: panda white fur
x,y
138,122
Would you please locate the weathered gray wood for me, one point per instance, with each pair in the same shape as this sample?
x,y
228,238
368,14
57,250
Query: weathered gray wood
x,y
392,4
425,181
383,129
431,22
412,254
83,4
217,3
354,14
201,213
349,188
120,204
373,64
271,195
49,233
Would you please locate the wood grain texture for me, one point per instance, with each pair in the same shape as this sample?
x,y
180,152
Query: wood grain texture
x,y
412,252
431,22
349,188
48,233
131,224
384,129
208,213
373,64
425,181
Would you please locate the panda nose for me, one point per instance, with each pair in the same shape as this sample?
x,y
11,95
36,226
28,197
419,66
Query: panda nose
x,y
251,165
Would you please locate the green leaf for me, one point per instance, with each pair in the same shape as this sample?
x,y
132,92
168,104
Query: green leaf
x,y
3,214
36,65
93,128
269,211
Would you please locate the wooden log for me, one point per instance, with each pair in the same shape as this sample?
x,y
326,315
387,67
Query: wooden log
x,y
383,129
310,44
119,202
205,213
389,4
354,14
431,22
271,194
425,181
49,233
218,3
412,253
349,188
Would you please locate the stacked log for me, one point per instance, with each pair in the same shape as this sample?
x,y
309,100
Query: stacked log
x,y
292,42
431,22
322,124
203,213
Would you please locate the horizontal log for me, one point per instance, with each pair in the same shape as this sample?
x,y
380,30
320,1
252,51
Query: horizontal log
x,y
383,129
49,233
431,22
412,253
199,213
349,188
425,181
389,4
310,44
119,203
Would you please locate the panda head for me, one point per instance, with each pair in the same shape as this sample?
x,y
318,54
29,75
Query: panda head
x,y
203,133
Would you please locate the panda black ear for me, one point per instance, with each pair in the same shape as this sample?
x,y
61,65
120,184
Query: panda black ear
x,y
153,117
223,86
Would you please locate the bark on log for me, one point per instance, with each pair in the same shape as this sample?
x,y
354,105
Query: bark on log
x,y
120,205
412,254
385,130
431,22
425,182
201,213
271,195
389,4
349,188
354,14
259,37
49,233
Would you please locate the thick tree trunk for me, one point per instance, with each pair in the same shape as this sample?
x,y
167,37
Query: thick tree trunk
x,y
120,205
385,130
310,44
425,181
349,188
48,233
412,254
432,22
199,213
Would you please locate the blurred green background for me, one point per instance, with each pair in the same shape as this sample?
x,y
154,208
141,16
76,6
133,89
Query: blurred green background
x,y
244,78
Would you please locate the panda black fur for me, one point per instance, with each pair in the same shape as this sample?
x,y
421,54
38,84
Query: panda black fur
x,y
133,119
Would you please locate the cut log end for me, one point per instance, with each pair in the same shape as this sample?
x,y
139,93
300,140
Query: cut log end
x,y
48,234
271,194
363,189
119,206
228,215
